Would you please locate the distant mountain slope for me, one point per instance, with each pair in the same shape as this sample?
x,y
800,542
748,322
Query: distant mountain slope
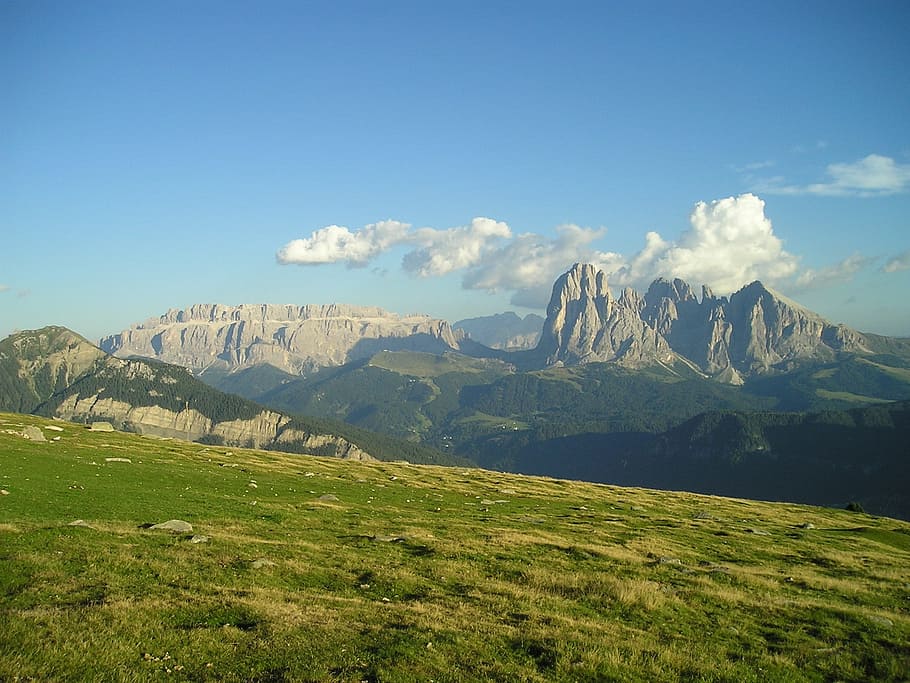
x,y
33,365
294,339
828,458
504,331
55,372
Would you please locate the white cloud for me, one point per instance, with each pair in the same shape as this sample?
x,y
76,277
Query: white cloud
x,y
898,263
442,251
530,263
831,275
335,243
4,288
729,243
872,176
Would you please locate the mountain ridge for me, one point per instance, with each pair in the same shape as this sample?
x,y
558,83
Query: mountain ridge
x,y
753,331
292,338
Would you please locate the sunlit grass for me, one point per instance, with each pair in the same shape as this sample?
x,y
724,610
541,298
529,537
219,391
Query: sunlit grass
x,y
318,570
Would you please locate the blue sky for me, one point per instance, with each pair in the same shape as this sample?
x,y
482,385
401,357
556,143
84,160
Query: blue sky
x,y
448,158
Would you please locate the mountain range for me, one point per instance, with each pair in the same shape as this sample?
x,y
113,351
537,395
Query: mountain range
x,y
755,331
608,393
57,373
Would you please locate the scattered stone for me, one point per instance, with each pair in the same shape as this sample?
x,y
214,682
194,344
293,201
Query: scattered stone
x,y
81,522
261,564
329,497
313,474
33,433
177,526
758,532
486,501
668,560
253,485
364,586
703,515
228,464
118,460
508,492
390,539
881,621
199,539
4,492
54,428
807,525
101,427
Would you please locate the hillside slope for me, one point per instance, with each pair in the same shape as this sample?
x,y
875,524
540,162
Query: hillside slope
x,y
830,458
345,571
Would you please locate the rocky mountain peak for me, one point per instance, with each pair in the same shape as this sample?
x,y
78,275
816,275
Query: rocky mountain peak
x,y
585,323
755,330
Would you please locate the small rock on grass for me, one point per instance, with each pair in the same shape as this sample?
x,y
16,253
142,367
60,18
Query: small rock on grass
x,y
330,497
199,539
261,564
177,526
33,433
81,522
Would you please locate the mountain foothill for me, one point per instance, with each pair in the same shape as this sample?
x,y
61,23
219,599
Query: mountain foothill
x,y
750,395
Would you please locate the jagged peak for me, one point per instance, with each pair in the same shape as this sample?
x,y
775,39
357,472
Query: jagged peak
x,y
676,290
757,289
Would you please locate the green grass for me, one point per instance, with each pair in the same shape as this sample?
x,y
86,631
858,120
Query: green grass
x,y
322,570
847,396
429,365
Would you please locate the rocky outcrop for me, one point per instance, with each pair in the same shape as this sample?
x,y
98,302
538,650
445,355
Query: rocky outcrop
x,y
586,323
267,429
757,330
295,339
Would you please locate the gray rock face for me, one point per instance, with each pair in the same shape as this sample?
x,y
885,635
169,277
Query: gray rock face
x,y
176,526
585,323
295,339
755,331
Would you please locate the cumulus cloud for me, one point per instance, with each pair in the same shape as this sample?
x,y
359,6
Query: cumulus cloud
x,y
442,251
872,176
335,243
832,275
730,242
898,263
528,264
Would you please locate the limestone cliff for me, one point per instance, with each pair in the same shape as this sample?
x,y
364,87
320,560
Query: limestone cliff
x,y
756,330
295,339
586,323
267,429
164,400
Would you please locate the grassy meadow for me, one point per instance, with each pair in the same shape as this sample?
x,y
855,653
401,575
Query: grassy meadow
x,y
311,569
